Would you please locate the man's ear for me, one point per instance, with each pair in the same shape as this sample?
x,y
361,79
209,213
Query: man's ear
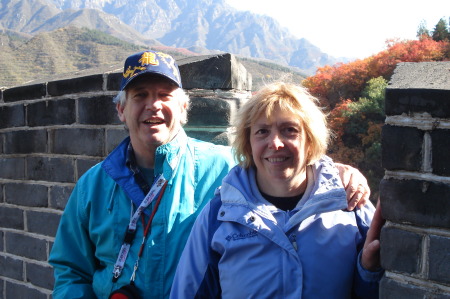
x,y
120,113
184,106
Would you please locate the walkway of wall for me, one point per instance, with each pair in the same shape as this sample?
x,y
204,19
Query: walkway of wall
x,y
415,193
51,133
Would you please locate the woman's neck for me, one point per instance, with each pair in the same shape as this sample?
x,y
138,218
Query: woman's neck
x,y
283,187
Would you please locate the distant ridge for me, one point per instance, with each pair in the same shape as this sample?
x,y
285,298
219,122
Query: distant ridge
x,y
72,52
206,26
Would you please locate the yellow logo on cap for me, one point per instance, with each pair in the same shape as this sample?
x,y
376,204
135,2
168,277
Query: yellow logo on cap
x,y
148,58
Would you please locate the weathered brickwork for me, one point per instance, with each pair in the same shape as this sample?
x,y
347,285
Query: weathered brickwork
x,y
415,192
51,133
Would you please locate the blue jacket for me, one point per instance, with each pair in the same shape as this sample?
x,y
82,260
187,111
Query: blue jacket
x,y
97,214
241,246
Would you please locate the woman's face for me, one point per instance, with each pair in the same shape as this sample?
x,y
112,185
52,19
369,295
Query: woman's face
x,y
279,152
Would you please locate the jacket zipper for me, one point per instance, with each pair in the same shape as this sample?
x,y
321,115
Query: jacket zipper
x,y
293,239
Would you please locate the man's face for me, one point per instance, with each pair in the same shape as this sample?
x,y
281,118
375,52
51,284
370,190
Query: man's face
x,y
152,113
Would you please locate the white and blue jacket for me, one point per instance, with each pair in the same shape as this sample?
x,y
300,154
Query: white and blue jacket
x,y
242,246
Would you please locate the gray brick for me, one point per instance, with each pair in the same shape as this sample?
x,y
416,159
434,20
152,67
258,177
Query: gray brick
x,y
98,110
51,112
2,247
26,246
418,202
40,276
59,195
113,81
26,142
30,195
12,116
209,112
114,137
391,289
441,158
1,142
75,85
13,290
401,148
439,259
11,268
50,169
434,102
1,193
84,165
404,256
77,141
50,246
12,168
42,223
24,92
11,218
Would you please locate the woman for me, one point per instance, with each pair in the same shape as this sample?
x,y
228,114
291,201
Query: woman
x,y
278,227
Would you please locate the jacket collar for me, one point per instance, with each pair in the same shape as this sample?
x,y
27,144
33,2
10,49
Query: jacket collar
x,y
167,157
324,193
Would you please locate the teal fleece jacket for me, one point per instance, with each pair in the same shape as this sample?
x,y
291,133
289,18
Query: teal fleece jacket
x,y
96,217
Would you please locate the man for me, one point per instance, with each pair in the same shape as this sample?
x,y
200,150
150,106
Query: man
x,y
128,218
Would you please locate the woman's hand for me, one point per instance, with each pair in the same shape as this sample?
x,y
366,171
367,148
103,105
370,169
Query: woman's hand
x,y
370,258
355,184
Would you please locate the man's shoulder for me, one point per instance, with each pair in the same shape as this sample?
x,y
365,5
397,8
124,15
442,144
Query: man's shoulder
x,y
209,149
95,171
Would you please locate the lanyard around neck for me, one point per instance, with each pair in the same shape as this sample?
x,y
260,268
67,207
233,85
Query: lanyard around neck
x,y
157,188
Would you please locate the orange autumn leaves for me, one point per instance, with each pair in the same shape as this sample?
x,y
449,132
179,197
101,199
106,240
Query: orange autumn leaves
x,y
347,80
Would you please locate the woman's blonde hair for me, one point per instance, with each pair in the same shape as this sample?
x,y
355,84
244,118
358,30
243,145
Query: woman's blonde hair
x,y
288,97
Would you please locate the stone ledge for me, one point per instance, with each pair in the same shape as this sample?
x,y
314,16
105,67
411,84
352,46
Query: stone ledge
x,y
222,71
424,75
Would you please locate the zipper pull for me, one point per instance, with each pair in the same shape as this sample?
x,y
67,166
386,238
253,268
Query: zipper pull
x,y
293,239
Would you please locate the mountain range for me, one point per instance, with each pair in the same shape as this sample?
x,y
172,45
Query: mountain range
x,y
194,26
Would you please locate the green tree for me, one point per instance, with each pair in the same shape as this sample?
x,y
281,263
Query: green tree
x,y
440,32
357,127
422,31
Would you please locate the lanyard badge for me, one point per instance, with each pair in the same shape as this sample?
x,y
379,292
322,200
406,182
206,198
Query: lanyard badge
x,y
157,188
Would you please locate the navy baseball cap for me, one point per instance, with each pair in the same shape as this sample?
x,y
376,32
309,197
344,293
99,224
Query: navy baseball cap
x,y
150,62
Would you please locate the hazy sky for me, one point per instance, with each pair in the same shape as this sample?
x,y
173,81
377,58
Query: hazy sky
x,y
350,28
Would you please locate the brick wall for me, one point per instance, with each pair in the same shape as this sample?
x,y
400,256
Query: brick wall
x,y
415,192
52,132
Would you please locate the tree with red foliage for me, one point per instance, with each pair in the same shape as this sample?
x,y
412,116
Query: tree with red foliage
x,y
331,84
355,93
